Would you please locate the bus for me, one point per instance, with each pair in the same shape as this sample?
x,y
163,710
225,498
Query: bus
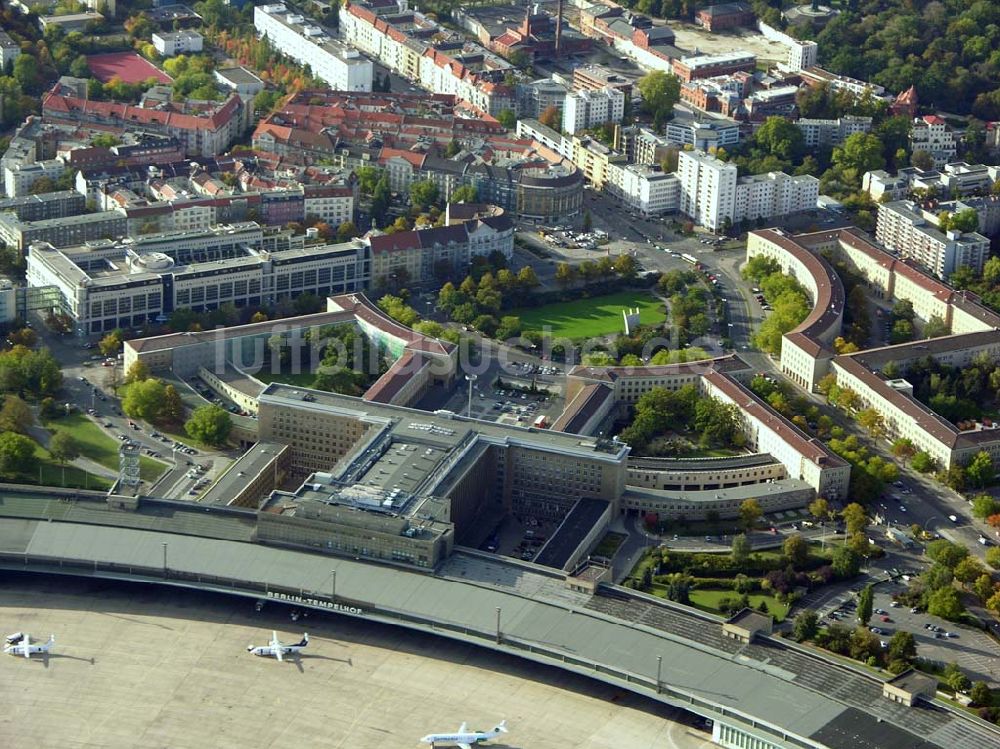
x,y
689,258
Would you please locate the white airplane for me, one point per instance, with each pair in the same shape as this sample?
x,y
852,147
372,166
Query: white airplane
x,y
464,739
20,644
278,649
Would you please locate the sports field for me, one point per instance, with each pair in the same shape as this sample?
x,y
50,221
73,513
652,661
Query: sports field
x,y
589,318
127,66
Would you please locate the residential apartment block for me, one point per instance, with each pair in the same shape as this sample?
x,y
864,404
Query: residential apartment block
x,y
61,232
45,206
591,108
708,189
339,65
649,190
204,128
713,196
931,133
904,227
9,50
703,134
828,133
172,43
415,47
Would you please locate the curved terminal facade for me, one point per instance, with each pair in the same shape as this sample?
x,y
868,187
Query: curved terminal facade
x,y
759,690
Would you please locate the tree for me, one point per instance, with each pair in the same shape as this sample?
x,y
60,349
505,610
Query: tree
x,y
750,513
865,600
15,416
946,553
806,625
527,278
144,399
819,508
17,453
981,694
955,678
173,406
347,231
845,562
796,549
741,549
902,647
464,194
209,424
111,344
660,91
968,570
993,557
980,469
923,462
781,138
903,448
588,221
565,274
983,587
855,518
944,602
137,372
550,117
63,447
507,118
859,153
922,160
872,421
935,327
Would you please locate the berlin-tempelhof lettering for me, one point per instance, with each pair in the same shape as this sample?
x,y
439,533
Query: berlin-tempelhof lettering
x,y
318,602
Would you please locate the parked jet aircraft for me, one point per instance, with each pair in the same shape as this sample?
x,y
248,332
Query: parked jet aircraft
x,y
464,739
278,649
20,643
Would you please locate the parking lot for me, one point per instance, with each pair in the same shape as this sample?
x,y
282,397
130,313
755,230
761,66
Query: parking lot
x,y
947,642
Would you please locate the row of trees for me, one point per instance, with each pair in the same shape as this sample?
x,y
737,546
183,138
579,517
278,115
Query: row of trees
x,y
789,302
479,303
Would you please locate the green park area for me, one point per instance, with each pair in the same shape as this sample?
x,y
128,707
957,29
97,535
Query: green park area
x,y
96,445
593,317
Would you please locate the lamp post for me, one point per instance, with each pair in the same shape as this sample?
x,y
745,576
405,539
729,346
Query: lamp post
x,y
164,558
333,586
470,378
498,625
659,669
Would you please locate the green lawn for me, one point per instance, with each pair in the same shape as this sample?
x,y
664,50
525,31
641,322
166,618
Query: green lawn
x,y
49,473
588,318
302,379
709,601
99,447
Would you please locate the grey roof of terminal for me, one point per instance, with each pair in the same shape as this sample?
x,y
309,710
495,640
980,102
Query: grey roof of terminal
x,y
774,681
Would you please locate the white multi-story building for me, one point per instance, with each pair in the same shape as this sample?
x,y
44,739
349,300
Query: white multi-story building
x,y
545,136
19,178
650,190
774,194
9,50
802,55
955,178
931,133
703,135
174,43
591,108
817,133
711,193
331,204
108,285
342,67
707,189
904,228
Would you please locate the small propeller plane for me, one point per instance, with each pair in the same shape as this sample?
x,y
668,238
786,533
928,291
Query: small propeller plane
x,y
277,649
464,738
20,644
